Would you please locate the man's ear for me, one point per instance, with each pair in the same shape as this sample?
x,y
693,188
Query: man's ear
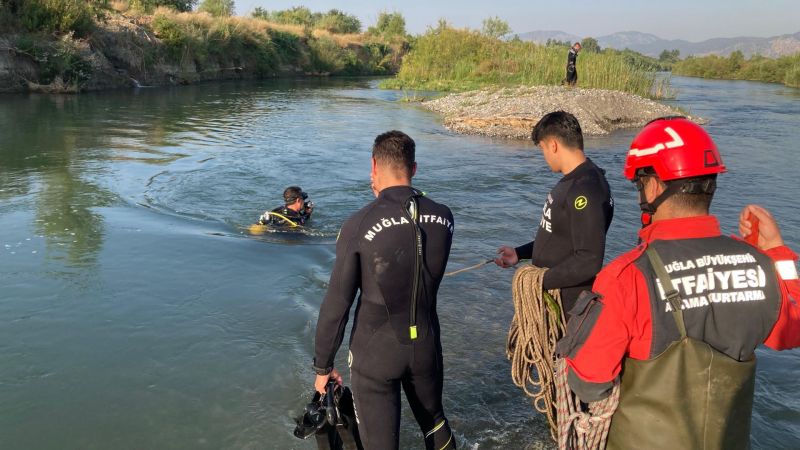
x,y
413,169
653,189
551,145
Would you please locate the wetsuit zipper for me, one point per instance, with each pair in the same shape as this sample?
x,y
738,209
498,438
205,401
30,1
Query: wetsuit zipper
x,y
412,329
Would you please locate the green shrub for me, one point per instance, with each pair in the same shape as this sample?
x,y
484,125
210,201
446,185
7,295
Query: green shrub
x,y
334,21
217,8
736,67
57,59
150,5
298,15
327,56
389,24
172,34
792,77
495,27
61,16
337,21
287,45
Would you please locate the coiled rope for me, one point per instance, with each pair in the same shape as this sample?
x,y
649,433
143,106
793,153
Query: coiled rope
x,y
579,429
532,339
537,326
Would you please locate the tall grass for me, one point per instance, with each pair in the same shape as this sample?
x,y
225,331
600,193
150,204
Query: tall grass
x,y
199,38
447,59
785,69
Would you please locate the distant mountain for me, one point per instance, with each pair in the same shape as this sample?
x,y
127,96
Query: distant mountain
x,y
541,37
652,45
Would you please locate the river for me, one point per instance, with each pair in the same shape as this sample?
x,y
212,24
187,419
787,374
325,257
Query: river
x,y
137,313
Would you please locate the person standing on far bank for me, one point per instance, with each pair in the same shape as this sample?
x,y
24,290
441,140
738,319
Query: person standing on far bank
x,y
572,69
394,251
571,238
679,317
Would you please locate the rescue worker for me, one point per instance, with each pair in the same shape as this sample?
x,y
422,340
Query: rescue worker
x,y
571,237
392,253
296,211
679,316
572,69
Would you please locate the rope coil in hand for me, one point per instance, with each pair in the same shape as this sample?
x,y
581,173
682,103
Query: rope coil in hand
x,y
537,326
532,339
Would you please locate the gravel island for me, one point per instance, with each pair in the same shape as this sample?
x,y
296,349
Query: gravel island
x,y
512,112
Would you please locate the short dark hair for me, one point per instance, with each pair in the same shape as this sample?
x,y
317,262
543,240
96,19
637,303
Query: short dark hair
x,y
396,149
696,194
292,193
560,125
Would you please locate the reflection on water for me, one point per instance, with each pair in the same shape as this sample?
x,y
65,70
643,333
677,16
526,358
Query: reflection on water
x,y
138,313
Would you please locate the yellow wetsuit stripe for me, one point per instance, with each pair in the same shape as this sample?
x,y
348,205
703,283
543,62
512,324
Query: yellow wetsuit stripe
x,y
434,430
447,443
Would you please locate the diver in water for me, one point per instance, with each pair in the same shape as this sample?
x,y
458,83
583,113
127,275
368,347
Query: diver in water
x,y
295,212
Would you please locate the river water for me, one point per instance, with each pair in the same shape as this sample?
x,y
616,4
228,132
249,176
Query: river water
x,y
136,312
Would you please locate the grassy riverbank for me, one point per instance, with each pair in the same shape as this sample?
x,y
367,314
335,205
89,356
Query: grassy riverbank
x,y
75,45
784,70
449,59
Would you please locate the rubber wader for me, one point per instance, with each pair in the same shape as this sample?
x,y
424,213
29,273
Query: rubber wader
x,y
691,396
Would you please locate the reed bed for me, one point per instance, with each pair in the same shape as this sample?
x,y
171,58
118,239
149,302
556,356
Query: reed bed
x,y
449,59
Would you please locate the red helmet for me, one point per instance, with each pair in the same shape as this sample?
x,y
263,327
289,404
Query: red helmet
x,y
675,148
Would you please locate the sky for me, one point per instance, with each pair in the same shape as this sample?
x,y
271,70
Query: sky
x,y
692,20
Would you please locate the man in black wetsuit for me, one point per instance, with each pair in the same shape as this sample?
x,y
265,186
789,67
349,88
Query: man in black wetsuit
x,y
571,238
295,212
572,69
394,251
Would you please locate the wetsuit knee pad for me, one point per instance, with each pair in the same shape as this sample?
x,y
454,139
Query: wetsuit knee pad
x,y
440,437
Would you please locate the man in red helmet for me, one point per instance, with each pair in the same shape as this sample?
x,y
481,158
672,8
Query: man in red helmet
x,y
678,318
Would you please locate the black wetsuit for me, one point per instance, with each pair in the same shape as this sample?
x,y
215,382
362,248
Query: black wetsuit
x,y
571,238
296,218
572,69
377,254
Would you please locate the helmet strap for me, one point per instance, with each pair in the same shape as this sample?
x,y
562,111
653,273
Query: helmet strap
x,y
687,186
649,208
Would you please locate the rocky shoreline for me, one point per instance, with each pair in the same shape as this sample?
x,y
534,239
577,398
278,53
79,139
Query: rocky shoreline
x,y
511,112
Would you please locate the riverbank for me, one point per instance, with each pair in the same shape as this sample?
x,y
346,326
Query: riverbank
x,y
511,112
130,49
784,70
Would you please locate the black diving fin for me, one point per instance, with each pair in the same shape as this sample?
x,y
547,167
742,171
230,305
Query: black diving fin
x,y
331,420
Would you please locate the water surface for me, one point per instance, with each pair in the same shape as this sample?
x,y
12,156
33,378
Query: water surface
x,y
136,313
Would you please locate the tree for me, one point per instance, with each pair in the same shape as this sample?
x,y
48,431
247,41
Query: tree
x,y
590,45
389,24
495,27
670,56
556,43
217,8
337,21
736,60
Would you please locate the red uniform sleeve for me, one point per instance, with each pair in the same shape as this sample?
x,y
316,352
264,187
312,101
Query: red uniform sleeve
x,y
786,332
598,359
